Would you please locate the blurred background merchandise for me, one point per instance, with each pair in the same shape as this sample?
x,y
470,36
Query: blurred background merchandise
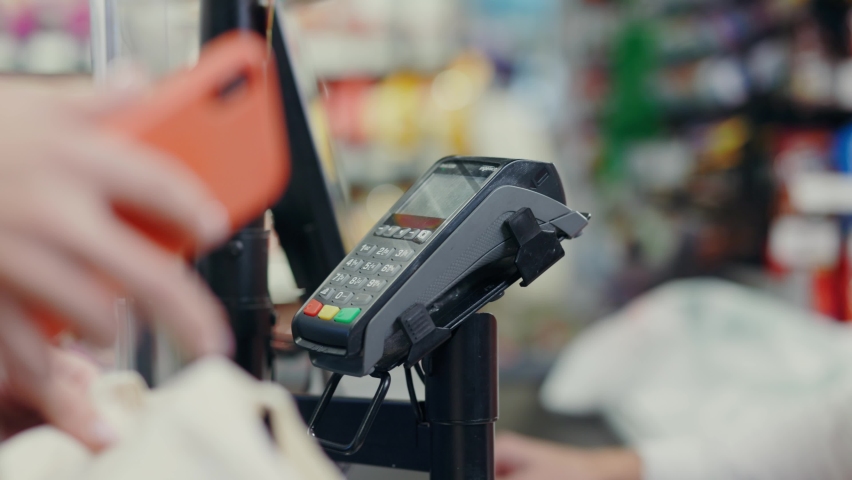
x,y
682,125
44,37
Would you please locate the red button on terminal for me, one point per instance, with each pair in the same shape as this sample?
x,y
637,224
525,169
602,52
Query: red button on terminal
x,y
313,308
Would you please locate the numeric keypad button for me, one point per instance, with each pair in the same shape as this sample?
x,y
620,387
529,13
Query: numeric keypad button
x,y
362,299
402,233
423,236
326,293
342,297
353,264
371,267
356,283
412,234
403,255
389,270
375,285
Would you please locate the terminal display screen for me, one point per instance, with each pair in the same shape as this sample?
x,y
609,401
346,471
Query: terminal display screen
x,y
444,192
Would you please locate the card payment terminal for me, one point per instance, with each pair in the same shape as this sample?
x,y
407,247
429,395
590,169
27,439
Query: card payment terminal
x,y
455,241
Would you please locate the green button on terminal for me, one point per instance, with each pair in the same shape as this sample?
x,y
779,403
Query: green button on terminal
x,y
347,315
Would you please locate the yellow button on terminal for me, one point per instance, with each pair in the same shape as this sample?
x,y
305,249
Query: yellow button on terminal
x,y
328,312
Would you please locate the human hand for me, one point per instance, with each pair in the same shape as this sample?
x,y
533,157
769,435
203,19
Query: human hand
x,y
63,247
523,458
71,375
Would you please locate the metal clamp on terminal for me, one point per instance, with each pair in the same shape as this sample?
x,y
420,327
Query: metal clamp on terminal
x,y
537,250
422,332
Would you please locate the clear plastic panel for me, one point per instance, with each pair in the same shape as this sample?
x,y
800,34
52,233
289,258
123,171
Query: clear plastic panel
x,y
158,35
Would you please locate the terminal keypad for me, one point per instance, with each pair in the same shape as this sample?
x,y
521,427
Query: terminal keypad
x,y
366,273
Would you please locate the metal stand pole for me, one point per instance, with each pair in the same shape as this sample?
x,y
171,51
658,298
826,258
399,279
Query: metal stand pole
x,y
461,402
237,275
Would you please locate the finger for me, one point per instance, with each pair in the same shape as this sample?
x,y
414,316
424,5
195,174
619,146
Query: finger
x,y
69,405
46,278
15,415
23,352
161,282
172,293
152,184
503,469
511,444
524,474
510,453
74,368
75,221
30,376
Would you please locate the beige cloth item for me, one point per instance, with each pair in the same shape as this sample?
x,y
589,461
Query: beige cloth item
x,y
205,424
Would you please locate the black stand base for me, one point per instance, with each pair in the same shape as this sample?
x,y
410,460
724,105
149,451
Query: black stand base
x,y
461,401
457,440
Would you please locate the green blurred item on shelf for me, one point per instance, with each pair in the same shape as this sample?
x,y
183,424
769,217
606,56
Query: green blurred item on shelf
x,y
630,112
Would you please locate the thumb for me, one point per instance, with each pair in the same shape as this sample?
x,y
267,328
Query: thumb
x,y
42,379
67,406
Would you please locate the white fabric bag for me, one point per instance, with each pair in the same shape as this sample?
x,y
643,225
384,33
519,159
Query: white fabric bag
x,y
205,424
700,356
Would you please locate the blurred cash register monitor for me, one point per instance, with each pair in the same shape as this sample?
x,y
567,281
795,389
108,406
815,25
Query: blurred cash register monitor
x,y
305,218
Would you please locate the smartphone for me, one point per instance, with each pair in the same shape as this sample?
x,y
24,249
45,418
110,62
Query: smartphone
x,y
224,120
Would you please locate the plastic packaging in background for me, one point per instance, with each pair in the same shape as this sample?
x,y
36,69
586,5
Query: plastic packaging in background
x,y
44,37
157,35
696,356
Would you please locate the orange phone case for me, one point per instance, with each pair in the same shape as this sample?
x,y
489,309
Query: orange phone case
x,y
224,120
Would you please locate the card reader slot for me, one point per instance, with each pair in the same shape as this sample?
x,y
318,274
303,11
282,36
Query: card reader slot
x,y
328,334
315,347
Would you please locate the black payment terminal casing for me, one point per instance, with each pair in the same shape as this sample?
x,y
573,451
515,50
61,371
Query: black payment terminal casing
x,y
448,226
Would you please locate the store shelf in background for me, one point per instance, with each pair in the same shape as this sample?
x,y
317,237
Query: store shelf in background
x,y
690,37
391,129
675,7
822,193
44,37
341,56
761,110
377,38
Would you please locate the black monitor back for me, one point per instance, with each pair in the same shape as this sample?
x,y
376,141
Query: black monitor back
x,y
305,219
